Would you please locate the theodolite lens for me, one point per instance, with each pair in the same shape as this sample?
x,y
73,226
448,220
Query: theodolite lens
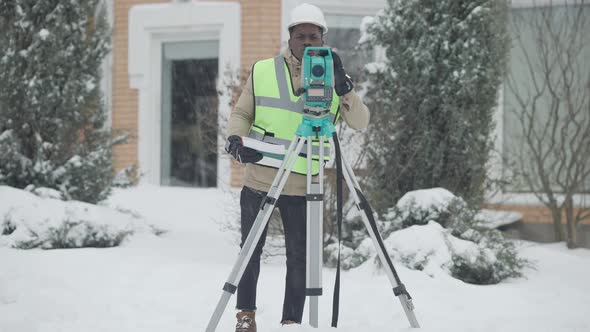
x,y
317,70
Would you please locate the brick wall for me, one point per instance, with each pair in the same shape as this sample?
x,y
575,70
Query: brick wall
x,y
261,34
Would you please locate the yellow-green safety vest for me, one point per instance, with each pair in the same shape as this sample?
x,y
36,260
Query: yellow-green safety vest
x,y
278,111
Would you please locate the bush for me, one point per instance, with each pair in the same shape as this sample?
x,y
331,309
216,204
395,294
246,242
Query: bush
x,y
496,257
68,234
435,231
432,95
28,221
53,128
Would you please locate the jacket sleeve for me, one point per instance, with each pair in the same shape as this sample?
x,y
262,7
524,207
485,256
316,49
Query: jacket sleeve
x,y
242,116
353,111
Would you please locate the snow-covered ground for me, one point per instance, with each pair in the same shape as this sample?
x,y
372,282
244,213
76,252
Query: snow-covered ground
x,y
172,282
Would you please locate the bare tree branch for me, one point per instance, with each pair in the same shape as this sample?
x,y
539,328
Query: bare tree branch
x,y
552,107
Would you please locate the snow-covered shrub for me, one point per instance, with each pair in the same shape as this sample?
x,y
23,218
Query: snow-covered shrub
x,y
53,130
353,248
349,257
429,248
86,178
29,221
505,262
436,251
74,234
435,231
13,161
491,257
418,207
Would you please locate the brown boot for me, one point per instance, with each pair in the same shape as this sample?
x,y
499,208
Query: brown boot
x,y
246,321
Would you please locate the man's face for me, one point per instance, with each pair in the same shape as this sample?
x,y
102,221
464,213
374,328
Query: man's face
x,y
302,36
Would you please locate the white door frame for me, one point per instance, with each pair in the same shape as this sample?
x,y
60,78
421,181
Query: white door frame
x,y
150,26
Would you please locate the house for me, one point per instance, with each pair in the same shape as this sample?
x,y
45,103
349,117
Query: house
x,y
173,56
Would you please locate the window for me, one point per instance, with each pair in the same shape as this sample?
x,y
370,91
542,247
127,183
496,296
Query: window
x,y
189,114
546,101
343,36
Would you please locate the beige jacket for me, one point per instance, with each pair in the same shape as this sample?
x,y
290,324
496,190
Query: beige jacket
x,y
352,110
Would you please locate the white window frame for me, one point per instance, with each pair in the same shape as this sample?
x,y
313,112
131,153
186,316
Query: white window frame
x,y
496,167
151,25
106,82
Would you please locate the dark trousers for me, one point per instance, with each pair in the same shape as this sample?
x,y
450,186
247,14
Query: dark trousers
x,y
293,214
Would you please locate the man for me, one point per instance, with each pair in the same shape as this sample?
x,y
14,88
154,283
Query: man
x,y
251,117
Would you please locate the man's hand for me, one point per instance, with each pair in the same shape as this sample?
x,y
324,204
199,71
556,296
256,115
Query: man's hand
x,y
343,82
241,153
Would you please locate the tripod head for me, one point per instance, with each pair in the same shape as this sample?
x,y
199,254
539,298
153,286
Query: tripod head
x,y
318,87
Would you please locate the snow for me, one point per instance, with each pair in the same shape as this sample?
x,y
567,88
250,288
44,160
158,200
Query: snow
x,y
432,199
90,85
496,218
44,192
431,244
6,134
427,198
44,33
34,220
366,23
172,282
376,67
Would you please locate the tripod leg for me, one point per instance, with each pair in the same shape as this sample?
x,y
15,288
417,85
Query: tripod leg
x,y
249,246
314,261
399,289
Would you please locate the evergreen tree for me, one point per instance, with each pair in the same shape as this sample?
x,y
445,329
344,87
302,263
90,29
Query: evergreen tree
x,y
433,96
52,118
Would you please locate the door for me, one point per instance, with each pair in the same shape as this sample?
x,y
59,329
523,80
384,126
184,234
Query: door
x,y
189,114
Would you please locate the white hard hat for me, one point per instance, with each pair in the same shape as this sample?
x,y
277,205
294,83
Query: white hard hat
x,y
306,13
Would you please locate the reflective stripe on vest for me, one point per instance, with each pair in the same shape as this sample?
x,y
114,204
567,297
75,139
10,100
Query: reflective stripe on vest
x,y
278,112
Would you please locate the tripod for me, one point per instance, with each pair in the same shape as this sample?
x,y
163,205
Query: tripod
x,y
321,128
